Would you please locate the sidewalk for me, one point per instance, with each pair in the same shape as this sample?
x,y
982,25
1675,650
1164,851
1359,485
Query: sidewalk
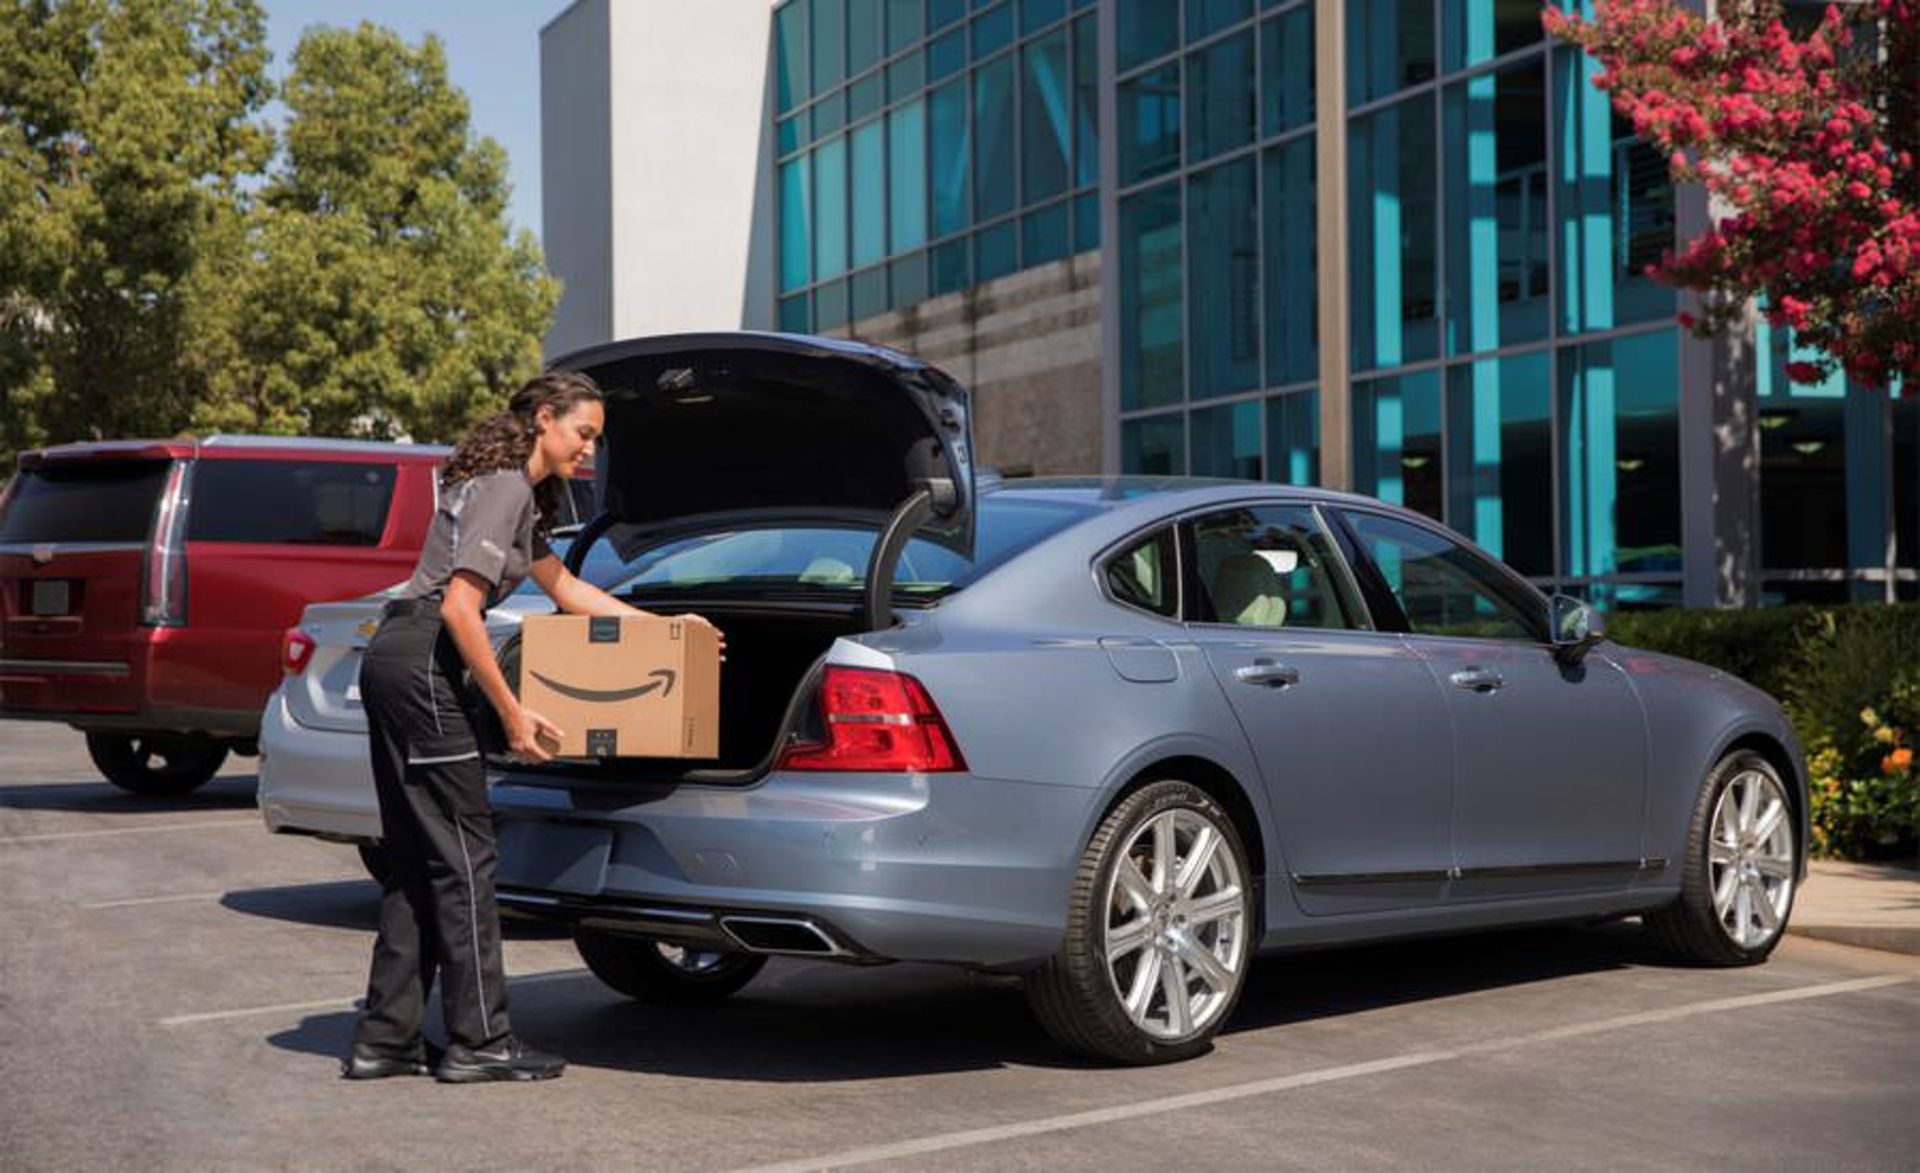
x,y
1866,905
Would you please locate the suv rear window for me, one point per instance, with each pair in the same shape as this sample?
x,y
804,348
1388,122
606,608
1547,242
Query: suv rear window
x,y
313,503
90,501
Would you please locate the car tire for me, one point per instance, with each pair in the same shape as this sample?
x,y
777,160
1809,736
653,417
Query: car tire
x,y
1144,919
654,971
1742,864
373,857
156,763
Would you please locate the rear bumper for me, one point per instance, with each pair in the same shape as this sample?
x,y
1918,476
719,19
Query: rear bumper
x,y
113,694
315,781
946,868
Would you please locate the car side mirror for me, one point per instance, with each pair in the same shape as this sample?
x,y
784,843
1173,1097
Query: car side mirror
x,y
1576,628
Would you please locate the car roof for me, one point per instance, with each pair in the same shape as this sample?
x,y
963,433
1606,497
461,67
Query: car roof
x,y
1154,494
220,445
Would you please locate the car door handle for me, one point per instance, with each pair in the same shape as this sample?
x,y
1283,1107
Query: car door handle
x,y
1477,679
1267,672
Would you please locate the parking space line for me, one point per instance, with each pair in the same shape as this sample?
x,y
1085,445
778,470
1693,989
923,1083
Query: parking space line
x,y
139,900
201,826
978,1136
339,1003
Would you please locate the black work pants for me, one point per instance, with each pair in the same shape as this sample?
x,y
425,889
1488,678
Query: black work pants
x,y
437,910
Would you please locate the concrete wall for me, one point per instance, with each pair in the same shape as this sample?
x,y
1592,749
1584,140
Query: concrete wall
x,y
1028,348
683,218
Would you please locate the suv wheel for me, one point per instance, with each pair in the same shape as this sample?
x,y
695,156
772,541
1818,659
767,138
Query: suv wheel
x,y
156,763
1159,932
654,971
1737,881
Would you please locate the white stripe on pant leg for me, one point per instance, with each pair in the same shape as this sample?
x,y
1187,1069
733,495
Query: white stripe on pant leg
x,y
459,757
433,697
473,922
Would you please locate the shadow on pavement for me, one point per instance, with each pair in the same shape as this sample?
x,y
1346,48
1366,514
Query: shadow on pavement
x,y
227,792
345,904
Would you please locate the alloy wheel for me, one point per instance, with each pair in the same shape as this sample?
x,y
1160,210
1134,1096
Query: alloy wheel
x,y
1750,862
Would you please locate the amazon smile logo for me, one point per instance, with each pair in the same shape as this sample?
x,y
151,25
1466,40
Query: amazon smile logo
x,y
664,682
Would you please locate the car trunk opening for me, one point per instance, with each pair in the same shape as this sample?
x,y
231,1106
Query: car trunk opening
x,y
771,653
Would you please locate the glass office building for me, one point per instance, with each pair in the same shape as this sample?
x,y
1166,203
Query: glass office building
x,y
1396,246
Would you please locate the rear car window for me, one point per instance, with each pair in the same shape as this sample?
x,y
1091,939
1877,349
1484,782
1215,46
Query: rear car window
x,y
91,501
833,560
321,503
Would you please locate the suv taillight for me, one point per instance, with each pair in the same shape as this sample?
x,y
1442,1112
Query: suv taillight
x,y
296,649
876,721
163,581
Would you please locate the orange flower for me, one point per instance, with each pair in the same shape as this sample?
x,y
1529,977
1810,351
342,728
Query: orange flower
x,y
1899,760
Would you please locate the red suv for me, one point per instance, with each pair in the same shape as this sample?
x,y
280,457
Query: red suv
x,y
145,585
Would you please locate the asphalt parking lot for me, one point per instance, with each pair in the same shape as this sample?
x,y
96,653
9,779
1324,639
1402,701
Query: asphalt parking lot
x,y
176,986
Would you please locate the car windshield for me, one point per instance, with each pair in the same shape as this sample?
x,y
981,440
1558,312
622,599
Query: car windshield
x,y
811,559
603,568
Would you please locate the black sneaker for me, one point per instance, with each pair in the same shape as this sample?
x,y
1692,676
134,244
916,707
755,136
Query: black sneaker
x,y
509,1060
368,1063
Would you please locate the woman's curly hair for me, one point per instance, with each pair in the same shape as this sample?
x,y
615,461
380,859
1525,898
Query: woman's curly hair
x,y
504,441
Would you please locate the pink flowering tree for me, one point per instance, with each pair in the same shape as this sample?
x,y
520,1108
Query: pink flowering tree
x,y
1807,140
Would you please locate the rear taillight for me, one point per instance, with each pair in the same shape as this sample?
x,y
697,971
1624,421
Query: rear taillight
x,y
163,581
296,649
876,721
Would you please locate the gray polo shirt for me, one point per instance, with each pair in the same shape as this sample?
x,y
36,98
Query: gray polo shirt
x,y
485,525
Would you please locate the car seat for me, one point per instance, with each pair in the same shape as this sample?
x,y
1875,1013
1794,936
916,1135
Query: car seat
x,y
1248,592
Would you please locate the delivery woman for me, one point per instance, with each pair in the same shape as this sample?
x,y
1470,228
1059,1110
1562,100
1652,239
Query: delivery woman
x,y
498,493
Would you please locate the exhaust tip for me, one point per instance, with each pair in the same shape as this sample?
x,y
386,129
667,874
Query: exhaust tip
x,y
768,934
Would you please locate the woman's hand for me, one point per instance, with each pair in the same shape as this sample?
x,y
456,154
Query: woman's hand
x,y
701,620
525,730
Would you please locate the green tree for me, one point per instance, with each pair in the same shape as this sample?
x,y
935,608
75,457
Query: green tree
x,y
377,290
127,130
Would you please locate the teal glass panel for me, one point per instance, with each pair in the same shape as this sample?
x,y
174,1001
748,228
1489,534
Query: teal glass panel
x,y
1037,14
942,13
906,23
952,266
1620,456
907,277
1151,310
1147,29
1154,447
830,305
1206,17
791,133
1395,49
1226,441
829,114
1291,295
869,293
865,96
869,183
1496,209
1044,235
996,251
993,158
796,223
1906,484
1396,441
951,162
792,86
1150,124
1223,280
1220,99
829,36
1804,471
1394,234
1500,458
1293,438
1613,206
1086,222
1286,71
1086,103
1473,31
830,203
947,55
907,76
864,35
992,31
796,316
1046,126
907,169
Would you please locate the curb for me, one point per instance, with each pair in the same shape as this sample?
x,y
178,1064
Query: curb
x,y
1885,938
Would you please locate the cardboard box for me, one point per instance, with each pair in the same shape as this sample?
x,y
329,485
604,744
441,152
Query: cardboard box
x,y
630,686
